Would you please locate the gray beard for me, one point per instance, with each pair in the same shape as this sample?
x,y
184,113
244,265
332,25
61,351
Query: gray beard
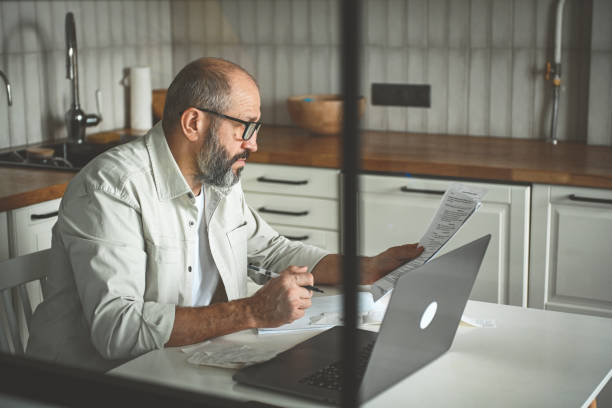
x,y
215,165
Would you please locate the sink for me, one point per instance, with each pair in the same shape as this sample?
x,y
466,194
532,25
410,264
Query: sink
x,y
66,156
77,155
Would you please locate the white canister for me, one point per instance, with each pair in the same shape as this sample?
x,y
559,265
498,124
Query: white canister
x,y
141,99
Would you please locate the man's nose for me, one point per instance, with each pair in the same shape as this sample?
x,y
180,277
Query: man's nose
x,y
251,144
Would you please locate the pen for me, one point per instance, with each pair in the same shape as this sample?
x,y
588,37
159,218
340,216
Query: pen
x,y
267,275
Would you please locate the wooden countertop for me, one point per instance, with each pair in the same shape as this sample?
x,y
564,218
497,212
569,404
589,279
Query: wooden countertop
x,y
20,187
484,158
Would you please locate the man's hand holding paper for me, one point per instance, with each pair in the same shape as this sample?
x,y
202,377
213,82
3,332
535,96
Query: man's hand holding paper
x,y
457,206
378,266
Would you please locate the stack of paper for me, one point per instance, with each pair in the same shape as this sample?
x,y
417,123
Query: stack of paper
x,y
325,312
219,353
458,204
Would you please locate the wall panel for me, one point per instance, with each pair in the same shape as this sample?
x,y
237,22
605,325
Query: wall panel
x,y
111,37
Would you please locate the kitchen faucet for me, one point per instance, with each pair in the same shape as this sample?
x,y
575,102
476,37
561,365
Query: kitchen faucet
x,y
76,119
7,84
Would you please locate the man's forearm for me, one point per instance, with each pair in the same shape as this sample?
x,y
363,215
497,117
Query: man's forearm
x,y
329,269
196,324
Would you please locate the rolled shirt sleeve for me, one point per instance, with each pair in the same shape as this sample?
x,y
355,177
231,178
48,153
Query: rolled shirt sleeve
x,y
106,248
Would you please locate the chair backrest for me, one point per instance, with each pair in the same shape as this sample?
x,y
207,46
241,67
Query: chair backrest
x,y
16,307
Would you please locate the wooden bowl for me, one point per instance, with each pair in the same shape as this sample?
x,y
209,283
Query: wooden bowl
x,y
39,151
320,114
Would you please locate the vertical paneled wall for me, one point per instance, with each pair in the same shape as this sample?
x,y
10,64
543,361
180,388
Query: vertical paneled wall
x,y
484,59
111,36
290,46
600,95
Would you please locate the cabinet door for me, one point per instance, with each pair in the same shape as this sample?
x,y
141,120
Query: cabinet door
x,y
4,237
31,227
390,216
572,250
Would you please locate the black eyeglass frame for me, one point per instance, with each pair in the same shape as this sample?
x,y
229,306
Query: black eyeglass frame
x,y
250,128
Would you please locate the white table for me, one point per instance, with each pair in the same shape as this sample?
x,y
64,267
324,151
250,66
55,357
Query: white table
x,y
532,358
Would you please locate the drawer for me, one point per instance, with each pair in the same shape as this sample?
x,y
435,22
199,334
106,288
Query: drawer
x,y
45,212
31,227
328,240
414,186
581,196
291,180
295,211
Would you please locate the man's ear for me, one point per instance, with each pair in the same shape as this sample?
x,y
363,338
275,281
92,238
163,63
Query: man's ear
x,y
192,122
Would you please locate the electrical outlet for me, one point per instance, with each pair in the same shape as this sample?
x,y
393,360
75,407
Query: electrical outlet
x,y
401,95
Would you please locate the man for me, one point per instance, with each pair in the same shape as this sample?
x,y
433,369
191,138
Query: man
x,y
153,237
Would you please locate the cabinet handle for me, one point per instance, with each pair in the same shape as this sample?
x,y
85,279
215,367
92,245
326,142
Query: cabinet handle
x,y
301,238
264,179
281,212
44,216
418,190
574,197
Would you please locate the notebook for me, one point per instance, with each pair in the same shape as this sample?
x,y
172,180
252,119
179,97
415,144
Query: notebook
x,y
420,324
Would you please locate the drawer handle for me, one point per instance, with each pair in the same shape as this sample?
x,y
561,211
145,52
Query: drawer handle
x,y
44,216
281,212
574,197
301,238
418,190
264,179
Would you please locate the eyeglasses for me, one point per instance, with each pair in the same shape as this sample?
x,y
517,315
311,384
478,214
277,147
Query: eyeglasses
x,y
250,128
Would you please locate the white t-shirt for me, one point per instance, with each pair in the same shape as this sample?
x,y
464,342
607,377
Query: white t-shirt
x,y
206,274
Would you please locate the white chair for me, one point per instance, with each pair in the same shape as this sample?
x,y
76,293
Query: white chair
x,y
16,307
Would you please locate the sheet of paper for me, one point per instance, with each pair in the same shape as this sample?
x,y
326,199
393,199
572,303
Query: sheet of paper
x,y
234,356
376,315
457,205
325,312
478,322
226,354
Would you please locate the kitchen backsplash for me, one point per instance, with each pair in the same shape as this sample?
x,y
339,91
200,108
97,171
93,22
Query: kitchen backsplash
x,y
111,36
483,58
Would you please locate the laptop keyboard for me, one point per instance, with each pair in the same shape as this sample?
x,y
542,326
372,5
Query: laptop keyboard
x,y
330,377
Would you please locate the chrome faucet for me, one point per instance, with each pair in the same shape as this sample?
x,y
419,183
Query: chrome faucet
x,y
7,84
76,119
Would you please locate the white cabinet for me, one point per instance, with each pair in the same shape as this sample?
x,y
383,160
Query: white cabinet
x,y
30,231
30,227
4,237
396,210
301,203
571,250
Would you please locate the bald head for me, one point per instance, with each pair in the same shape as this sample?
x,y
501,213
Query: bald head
x,y
203,83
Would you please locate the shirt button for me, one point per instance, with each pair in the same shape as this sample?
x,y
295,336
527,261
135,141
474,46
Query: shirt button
x,y
189,268
191,223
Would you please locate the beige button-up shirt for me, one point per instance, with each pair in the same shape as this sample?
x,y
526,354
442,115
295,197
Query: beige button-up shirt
x,y
123,254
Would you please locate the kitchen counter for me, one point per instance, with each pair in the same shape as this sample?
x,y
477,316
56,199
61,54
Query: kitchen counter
x,y
20,187
483,158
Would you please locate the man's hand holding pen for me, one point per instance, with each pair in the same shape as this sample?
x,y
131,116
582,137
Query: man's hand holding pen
x,y
283,299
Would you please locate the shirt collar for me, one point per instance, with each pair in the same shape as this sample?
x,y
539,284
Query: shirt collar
x,y
169,180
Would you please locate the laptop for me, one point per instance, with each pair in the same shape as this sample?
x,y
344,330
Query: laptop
x,y
422,318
